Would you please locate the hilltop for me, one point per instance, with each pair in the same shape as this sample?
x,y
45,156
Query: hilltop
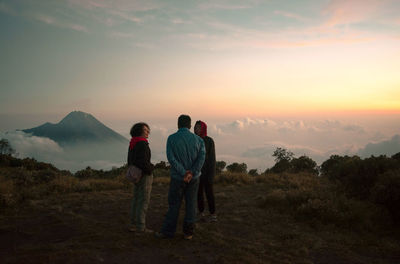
x,y
54,216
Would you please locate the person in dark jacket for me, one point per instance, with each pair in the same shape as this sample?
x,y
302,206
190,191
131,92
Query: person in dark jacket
x,y
139,154
207,173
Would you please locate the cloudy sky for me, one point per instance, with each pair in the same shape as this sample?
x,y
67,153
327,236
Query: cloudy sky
x,y
314,75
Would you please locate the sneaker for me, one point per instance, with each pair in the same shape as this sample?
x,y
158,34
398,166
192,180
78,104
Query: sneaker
x,y
213,218
161,235
145,231
132,228
187,237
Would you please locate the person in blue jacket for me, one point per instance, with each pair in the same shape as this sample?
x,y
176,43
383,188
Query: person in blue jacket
x,y
186,155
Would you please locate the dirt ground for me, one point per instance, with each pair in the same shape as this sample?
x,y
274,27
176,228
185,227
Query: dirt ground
x,y
92,227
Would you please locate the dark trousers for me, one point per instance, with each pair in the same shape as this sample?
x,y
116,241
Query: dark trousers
x,y
206,186
178,190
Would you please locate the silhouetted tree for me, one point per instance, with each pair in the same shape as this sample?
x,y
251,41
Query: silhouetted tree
x,y
236,167
5,147
162,165
253,172
86,173
396,156
282,154
220,165
282,160
303,164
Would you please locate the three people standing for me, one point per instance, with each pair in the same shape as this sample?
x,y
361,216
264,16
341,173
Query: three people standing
x,y
192,160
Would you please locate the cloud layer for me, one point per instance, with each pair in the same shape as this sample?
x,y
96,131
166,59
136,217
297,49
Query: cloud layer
x,y
249,140
72,158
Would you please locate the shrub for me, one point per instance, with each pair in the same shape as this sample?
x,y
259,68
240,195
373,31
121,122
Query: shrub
x,y
5,147
160,173
63,184
7,192
386,192
219,166
286,162
162,165
312,199
357,176
237,168
396,156
282,154
303,164
44,176
253,172
281,166
233,178
85,174
22,178
337,209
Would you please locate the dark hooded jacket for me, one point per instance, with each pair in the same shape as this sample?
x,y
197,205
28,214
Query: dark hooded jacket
x,y
139,154
208,169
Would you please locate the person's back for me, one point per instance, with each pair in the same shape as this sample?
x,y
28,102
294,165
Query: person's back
x,y
210,162
183,151
186,154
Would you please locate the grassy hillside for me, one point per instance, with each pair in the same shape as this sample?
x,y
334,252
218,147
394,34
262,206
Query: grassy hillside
x,y
52,216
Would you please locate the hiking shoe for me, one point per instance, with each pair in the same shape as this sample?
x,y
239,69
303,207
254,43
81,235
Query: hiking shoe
x,y
213,218
187,237
161,235
145,231
132,228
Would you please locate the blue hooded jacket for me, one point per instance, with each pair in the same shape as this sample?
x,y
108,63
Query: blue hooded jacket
x,y
185,151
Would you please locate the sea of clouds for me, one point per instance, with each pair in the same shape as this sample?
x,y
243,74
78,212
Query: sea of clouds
x,y
247,140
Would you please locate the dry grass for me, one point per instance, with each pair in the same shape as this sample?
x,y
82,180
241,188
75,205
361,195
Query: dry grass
x,y
91,227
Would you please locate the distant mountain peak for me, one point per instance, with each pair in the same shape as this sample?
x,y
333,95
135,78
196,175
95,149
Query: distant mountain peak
x,y
77,127
76,116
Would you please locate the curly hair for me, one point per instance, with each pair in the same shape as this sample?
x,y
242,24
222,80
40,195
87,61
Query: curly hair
x,y
137,129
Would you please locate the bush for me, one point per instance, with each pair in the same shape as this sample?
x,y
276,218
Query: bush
x,y
219,166
253,172
5,147
357,176
286,162
233,178
303,164
162,165
237,168
340,211
386,192
161,173
7,192
86,173
44,176
312,199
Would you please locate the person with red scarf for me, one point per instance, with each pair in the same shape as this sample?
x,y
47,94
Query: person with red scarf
x,y
207,173
139,154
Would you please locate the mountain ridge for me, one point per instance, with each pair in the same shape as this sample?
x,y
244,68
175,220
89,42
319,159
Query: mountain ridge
x,y
75,128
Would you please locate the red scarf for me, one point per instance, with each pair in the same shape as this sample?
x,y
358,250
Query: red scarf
x,y
135,140
203,130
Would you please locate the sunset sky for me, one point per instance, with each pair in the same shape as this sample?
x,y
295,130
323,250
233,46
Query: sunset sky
x,y
129,60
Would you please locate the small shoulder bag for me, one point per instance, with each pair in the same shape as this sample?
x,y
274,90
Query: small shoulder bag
x,y
134,174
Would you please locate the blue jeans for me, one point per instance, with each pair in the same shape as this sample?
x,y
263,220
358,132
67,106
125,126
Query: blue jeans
x,y
178,190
